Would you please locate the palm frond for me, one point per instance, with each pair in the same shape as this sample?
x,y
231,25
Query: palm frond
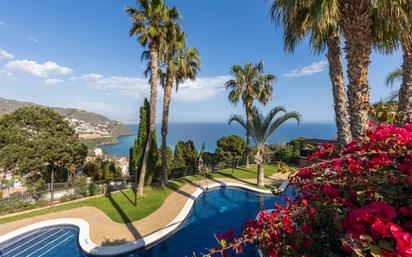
x,y
238,119
271,115
250,83
393,77
262,127
282,119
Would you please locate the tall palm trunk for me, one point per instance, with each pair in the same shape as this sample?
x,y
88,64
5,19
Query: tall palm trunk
x,y
338,87
249,121
261,172
405,92
165,121
154,62
261,175
356,25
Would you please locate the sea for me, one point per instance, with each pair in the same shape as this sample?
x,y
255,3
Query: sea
x,y
209,133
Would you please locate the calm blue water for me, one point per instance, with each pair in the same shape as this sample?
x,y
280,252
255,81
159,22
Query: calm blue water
x,y
215,211
209,133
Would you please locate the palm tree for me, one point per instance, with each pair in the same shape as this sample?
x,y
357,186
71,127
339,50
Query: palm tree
x,y
391,80
393,77
149,23
356,23
320,22
365,23
405,92
362,25
181,63
261,129
250,83
399,32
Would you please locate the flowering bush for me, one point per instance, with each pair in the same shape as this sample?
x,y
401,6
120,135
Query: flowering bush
x,y
352,202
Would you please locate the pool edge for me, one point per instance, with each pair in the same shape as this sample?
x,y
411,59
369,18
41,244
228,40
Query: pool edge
x,y
89,247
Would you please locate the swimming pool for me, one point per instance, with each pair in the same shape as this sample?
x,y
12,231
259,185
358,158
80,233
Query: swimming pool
x,y
48,241
215,211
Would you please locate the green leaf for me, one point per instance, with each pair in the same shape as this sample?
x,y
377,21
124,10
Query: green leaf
x,y
222,242
376,251
386,245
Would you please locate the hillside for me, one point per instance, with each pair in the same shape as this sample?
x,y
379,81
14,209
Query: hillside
x,y
88,125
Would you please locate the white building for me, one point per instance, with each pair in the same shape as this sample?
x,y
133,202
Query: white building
x,y
98,152
123,163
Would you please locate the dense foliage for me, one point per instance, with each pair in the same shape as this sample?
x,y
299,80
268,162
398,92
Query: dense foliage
x,y
137,151
36,140
288,152
185,154
230,148
100,169
352,202
385,112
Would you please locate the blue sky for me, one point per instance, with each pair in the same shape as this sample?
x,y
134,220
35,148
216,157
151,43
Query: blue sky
x,y
78,54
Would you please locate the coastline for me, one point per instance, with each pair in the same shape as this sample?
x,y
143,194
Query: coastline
x,y
104,141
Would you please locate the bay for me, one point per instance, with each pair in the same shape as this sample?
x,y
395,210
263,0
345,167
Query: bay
x,y
209,133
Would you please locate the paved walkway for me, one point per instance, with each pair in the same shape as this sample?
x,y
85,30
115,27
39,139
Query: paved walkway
x,y
104,231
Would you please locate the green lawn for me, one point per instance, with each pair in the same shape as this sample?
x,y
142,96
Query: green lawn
x,y
120,206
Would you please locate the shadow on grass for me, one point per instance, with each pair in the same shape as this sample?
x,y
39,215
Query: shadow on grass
x,y
245,170
124,218
188,181
128,198
228,175
176,188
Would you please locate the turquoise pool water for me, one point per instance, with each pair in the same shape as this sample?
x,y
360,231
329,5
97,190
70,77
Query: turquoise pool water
x,y
215,211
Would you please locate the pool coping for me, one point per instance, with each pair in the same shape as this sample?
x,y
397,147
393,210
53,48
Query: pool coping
x,y
89,247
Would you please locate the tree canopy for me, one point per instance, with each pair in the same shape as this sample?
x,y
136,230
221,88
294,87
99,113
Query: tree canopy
x,y
185,154
101,169
35,140
230,147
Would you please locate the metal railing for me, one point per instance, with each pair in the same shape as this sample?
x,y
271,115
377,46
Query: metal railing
x,y
69,191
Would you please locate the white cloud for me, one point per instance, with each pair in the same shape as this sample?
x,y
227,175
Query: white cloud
x,y
135,87
201,89
33,40
128,86
91,77
6,55
51,82
45,70
311,69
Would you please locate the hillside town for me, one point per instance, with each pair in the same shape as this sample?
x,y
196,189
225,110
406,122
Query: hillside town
x,y
88,130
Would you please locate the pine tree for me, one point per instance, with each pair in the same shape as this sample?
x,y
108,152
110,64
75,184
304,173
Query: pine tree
x,y
191,154
136,152
179,155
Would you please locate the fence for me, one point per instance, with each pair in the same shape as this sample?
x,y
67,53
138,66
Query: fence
x,y
63,192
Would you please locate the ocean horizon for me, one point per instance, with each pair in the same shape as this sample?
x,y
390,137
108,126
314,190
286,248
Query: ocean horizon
x,y
209,133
